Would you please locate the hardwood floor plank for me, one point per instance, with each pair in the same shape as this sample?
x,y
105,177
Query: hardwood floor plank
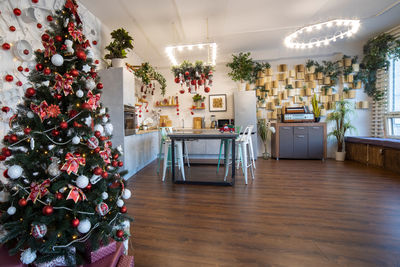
x,y
295,213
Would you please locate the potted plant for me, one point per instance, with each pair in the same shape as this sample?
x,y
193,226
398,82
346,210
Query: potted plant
x,y
198,100
310,66
264,130
241,69
118,47
316,108
341,121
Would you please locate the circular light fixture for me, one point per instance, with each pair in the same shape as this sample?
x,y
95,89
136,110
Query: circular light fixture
x,y
313,35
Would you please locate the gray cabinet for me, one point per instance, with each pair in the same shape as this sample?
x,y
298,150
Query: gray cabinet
x,y
299,141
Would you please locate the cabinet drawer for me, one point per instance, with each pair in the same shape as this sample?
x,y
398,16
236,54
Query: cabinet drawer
x,y
315,142
286,142
300,130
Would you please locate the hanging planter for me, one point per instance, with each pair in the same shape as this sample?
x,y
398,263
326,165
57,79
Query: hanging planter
x,y
193,76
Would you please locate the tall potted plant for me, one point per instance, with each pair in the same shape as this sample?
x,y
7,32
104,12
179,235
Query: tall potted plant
x,y
241,69
118,47
341,122
316,108
265,130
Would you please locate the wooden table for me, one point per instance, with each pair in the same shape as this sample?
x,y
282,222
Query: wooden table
x,y
202,134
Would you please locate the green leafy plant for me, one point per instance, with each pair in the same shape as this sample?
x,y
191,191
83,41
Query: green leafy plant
x,y
315,106
198,97
196,70
121,42
146,73
377,52
346,89
289,86
264,131
310,63
258,66
340,118
331,69
241,67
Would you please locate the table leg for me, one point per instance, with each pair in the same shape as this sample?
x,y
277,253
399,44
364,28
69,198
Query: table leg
x,y
233,161
173,159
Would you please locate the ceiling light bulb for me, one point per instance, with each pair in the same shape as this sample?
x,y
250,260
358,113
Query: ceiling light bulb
x,y
310,46
180,48
318,44
346,23
329,24
341,36
326,42
349,34
309,29
319,26
339,22
190,47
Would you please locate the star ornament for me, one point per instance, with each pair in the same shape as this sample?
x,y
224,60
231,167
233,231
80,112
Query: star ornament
x,y
86,68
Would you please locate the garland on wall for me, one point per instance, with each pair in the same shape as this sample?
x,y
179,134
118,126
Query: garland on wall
x,y
193,76
147,74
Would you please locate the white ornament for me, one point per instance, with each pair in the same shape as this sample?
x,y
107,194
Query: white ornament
x,y
90,84
88,121
68,43
82,181
4,196
32,142
126,194
28,256
79,93
84,226
102,111
66,23
11,210
108,128
76,140
86,68
30,115
14,171
50,147
125,224
95,179
90,54
99,127
57,60
53,169
120,203
120,149
104,195
46,83
104,119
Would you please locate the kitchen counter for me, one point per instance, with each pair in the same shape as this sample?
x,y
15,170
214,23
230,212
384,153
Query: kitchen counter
x,y
146,131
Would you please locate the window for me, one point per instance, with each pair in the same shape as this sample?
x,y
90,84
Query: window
x,y
393,112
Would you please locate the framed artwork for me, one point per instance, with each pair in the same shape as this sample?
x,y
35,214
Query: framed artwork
x,y
217,103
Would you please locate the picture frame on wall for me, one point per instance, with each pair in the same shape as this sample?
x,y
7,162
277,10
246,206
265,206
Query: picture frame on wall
x,y
217,103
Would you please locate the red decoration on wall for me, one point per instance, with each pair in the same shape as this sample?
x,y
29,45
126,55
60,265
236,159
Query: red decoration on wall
x,y
12,28
17,12
6,46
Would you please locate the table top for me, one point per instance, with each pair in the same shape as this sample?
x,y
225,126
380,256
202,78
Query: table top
x,y
202,134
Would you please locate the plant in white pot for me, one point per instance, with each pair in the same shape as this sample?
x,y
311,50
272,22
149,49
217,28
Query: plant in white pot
x,y
118,47
341,121
241,69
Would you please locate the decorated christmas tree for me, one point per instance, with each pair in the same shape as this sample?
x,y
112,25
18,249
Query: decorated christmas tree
x,y
65,188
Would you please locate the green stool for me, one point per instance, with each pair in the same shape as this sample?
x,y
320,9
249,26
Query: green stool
x,y
225,144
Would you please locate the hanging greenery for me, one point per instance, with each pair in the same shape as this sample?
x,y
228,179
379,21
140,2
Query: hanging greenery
x,y
193,75
257,67
377,54
147,73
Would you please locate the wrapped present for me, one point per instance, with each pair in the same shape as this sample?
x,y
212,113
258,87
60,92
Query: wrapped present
x,y
126,261
110,260
103,251
59,261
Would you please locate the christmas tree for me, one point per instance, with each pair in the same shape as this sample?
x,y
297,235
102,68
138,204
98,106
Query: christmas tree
x,y
64,183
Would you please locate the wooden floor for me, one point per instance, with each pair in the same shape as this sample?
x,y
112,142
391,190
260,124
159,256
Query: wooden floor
x,y
295,213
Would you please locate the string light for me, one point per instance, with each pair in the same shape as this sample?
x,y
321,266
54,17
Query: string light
x,y
348,27
170,51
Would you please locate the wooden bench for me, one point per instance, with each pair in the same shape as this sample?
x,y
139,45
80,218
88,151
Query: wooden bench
x,y
378,152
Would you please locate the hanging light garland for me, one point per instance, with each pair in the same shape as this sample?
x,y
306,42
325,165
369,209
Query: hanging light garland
x,y
312,36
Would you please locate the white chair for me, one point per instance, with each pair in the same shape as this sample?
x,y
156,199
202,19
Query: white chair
x,y
244,150
167,161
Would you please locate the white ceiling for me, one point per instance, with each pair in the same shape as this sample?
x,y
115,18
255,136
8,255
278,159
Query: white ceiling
x,y
258,26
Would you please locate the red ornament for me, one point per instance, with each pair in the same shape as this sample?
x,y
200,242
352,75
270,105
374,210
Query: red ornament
x,y
58,96
99,86
114,163
2,158
186,73
72,113
55,132
97,150
19,83
45,37
64,125
81,55
35,1
12,28
30,92
109,143
39,67
94,42
96,61
13,138
39,25
47,71
58,38
119,233
5,173
77,125
193,82
182,91
120,164
59,196
27,130
104,175
26,52
86,106
75,222
20,68
26,69
200,82
22,202
97,134
103,138
115,156
97,171
49,18
9,78
47,210
6,46
5,109
207,89
177,80
123,209
17,12
6,138
74,72
89,186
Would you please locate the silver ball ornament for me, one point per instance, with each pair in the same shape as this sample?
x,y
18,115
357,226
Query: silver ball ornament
x,y
57,60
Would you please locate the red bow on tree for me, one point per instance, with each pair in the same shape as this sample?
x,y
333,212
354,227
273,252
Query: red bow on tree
x,y
106,153
86,44
73,7
93,100
40,110
72,163
76,194
49,48
38,190
75,33
64,84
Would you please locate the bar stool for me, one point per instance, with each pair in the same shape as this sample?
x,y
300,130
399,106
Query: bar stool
x,y
168,160
243,147
164,131
224,144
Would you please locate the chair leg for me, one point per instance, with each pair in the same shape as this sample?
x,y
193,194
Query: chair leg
x,y
220,152
159,157
165,161
228,145
180,160
251,166
252,154
187,155
244,163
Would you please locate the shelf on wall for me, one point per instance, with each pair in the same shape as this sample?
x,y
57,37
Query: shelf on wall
x,y
160,106
198,108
